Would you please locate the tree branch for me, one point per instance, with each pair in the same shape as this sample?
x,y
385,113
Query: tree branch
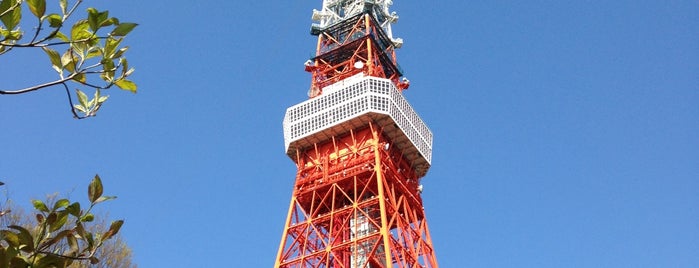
x,y
70,102
37,87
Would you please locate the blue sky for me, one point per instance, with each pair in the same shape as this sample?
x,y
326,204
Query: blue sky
x,y
566,132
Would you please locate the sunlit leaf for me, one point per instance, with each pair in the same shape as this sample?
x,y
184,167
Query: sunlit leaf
x,y
95,189
55,59
64,6
40,206
68,61
120,52
109,68
110,47
61,204
54,20
109,22
93,18
123,29
104,198
124,67
80,108
37,7
80,30
126,85
93,52
12,18
61,37
81,77
82,99
14,35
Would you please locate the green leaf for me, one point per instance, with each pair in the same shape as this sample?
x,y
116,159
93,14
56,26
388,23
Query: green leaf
x,y
80,229
59,236
93,52
64,6
55,59
80,108
81,78
37,7
88,217
54,20
61,219
14,35
97,19
110,47
10,237
109,22
123,29
61,204
120,52
126,85
124,67
74,209
40,206
95,189
25,238
113,229
108,70
61,37
80,30
104,198
82,98
68,61
11,18
93,18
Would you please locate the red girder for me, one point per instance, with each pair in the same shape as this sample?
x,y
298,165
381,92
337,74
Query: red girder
x,y
361,40
365,217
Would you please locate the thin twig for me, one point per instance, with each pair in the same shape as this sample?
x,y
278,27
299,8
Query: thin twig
x,y
38,30
37,87
70,102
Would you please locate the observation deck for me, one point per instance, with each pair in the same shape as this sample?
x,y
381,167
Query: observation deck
x,y
351,104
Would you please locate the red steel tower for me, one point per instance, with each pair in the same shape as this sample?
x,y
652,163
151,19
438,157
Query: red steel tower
x,y
360,150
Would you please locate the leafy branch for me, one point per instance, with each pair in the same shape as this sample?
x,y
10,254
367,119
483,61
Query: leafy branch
x,y
91,52
60,238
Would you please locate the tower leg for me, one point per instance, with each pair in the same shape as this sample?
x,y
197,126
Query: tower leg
x,y
355,205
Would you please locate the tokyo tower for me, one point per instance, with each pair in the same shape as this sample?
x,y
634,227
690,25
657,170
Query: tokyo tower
x,y
360,150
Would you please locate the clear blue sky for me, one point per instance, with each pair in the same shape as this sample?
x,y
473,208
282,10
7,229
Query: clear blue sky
x,y
566,132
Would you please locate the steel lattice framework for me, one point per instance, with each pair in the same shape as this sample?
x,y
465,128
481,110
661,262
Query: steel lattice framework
x,y
360,150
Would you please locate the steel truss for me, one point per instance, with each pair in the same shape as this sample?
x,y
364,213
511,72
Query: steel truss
x,y
356,204
357,44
